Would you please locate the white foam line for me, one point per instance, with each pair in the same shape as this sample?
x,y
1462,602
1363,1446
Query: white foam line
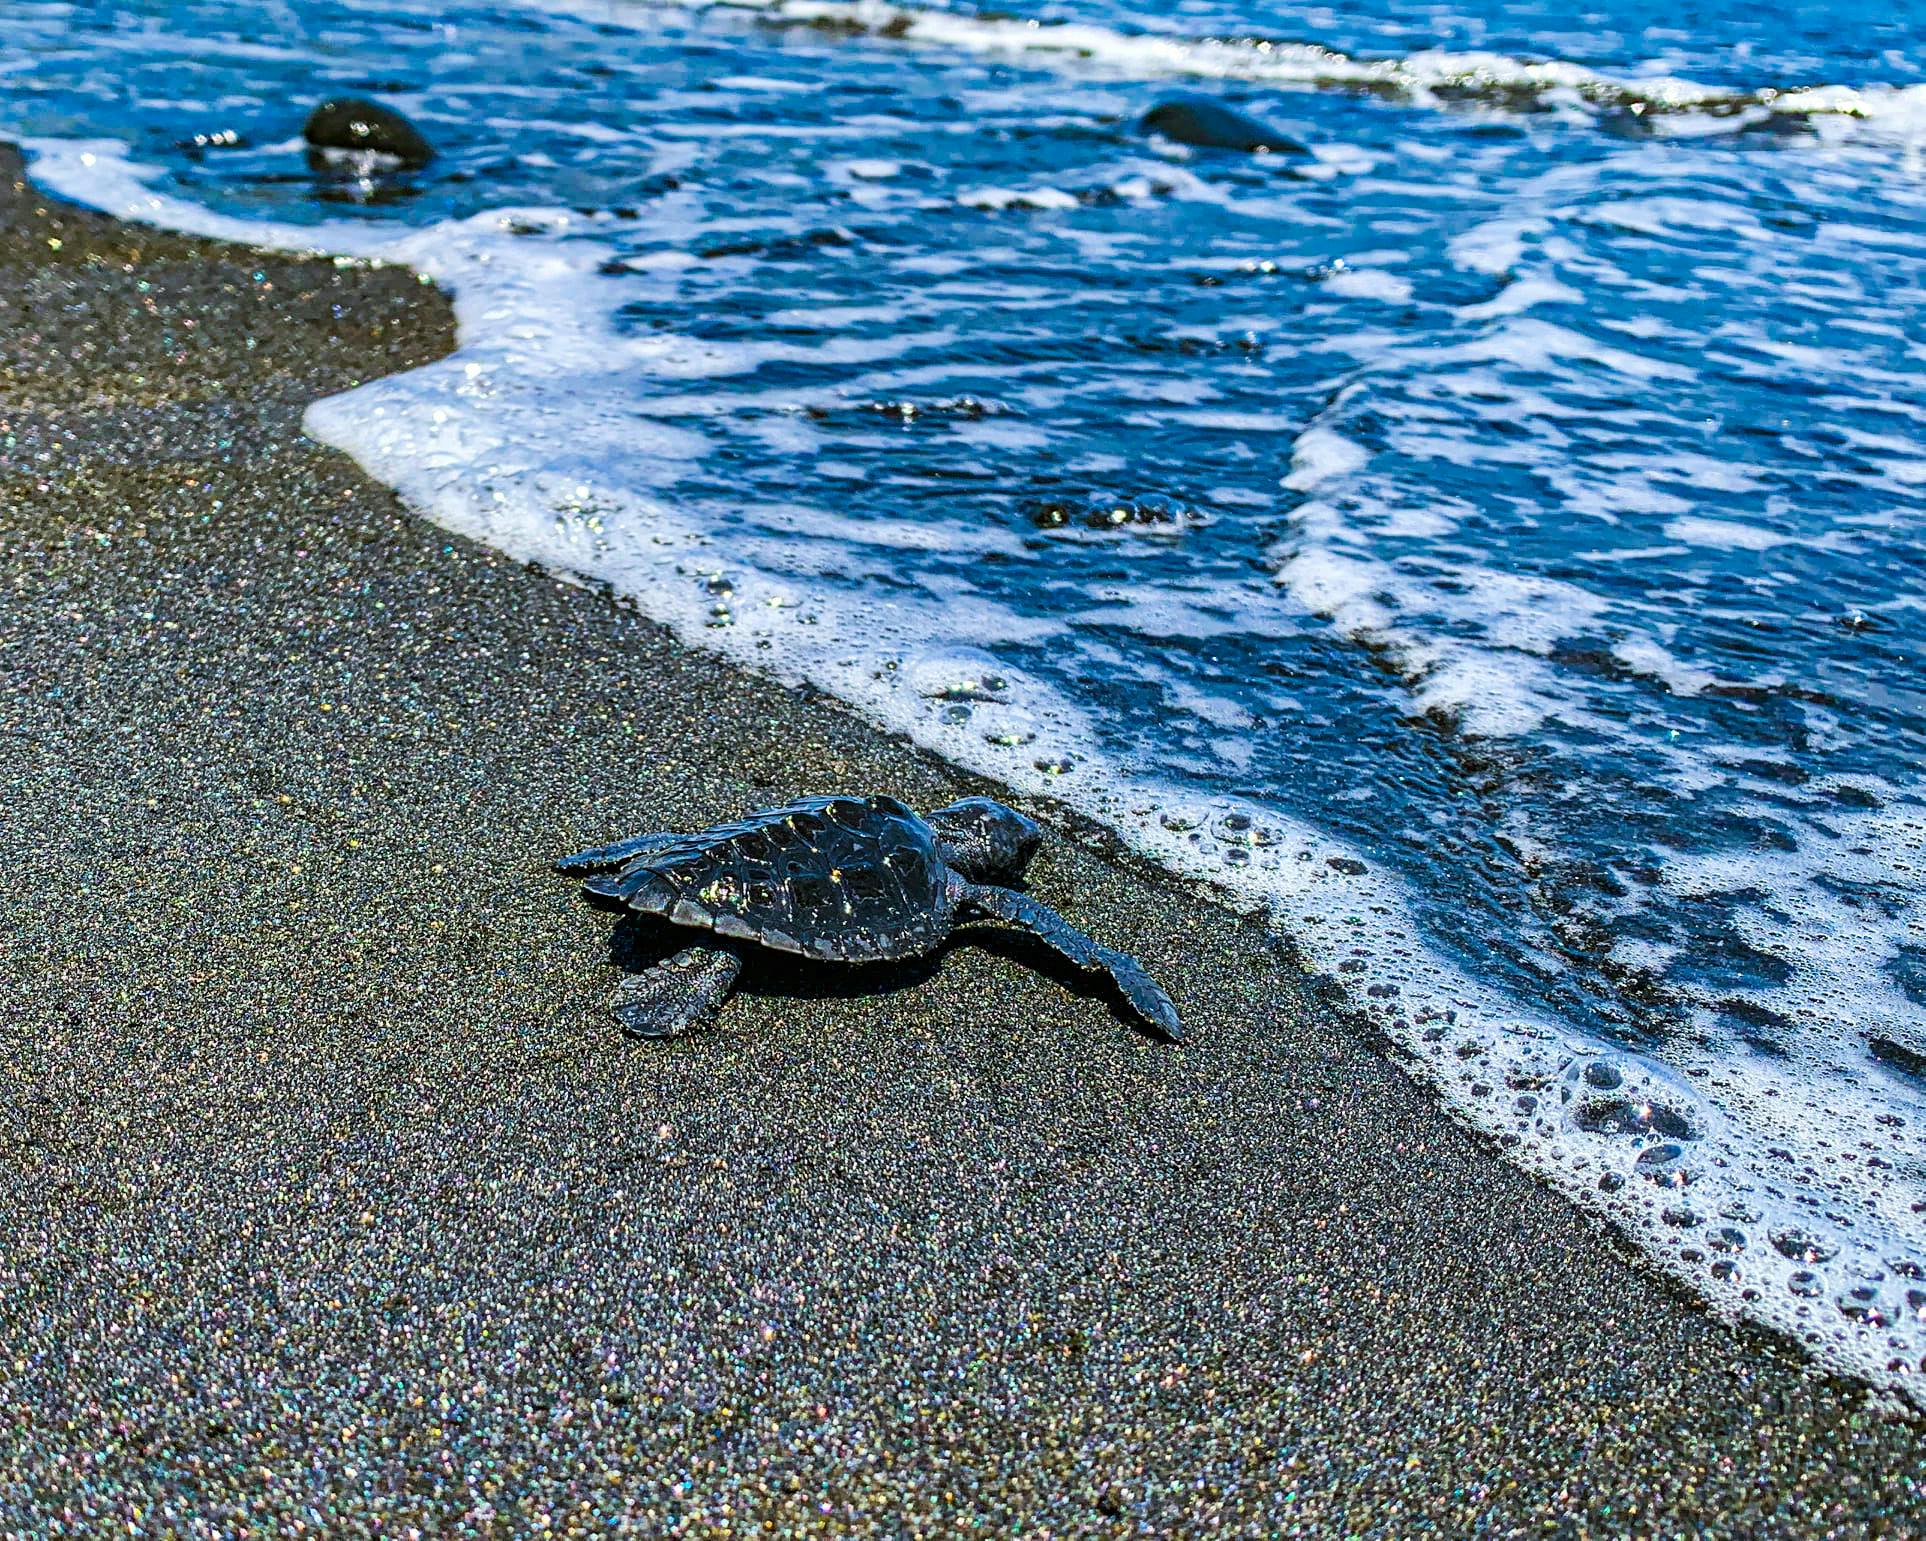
x,y
506,441
1428,75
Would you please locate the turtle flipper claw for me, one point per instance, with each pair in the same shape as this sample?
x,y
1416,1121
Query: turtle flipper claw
x,y
1145,995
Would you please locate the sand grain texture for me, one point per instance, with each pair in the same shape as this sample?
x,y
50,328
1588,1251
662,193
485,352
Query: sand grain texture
x,y
333,1203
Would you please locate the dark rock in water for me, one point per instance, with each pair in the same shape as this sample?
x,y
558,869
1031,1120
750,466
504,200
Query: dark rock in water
x,y
1210,125
355,134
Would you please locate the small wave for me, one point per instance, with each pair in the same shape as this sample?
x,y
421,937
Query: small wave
x,y
1428,76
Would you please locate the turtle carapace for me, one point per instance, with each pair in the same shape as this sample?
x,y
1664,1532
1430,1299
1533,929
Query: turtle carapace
x,y
841,879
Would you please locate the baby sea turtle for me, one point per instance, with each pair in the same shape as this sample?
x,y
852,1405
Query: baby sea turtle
x,y
844,879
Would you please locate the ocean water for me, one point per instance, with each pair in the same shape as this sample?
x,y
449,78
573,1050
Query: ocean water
x,y
1490,544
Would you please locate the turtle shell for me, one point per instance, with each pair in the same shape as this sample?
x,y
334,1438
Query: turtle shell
x,y
830,877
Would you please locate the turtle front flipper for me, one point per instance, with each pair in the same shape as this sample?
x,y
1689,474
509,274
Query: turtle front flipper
x,y
606,858
677,995
1146,999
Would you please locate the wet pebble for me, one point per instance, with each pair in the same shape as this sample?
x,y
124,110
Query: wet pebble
x,y
1205,123
354,134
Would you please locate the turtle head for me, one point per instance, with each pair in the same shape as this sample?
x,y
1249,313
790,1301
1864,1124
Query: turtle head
x,y
984,841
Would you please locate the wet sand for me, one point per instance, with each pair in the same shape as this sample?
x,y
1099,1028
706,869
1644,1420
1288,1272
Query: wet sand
x,y
334,1203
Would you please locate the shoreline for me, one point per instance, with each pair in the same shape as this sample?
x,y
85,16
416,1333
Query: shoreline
x,y
334,1188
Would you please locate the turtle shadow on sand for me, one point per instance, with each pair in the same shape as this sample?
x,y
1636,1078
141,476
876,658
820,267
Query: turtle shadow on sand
x,y
639,943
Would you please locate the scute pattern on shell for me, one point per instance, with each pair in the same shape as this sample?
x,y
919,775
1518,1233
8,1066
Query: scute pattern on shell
x,y
829,877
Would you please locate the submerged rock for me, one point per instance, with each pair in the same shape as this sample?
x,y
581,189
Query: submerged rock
x,y
364,137
1209,124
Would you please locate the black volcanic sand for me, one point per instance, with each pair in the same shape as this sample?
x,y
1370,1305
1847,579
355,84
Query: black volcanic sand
x,y
335,1204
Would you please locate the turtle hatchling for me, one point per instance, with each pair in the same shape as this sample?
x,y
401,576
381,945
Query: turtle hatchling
x,y
843,879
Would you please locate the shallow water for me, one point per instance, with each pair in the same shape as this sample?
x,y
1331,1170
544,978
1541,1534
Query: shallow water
x,y
1492,541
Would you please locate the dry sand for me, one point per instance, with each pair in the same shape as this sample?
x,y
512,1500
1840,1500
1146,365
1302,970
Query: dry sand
x,y
334,1203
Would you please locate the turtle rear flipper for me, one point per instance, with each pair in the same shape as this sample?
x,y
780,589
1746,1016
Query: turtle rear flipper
x,y
1143,994
677,995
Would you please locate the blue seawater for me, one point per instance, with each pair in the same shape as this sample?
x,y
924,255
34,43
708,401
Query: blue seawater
x,y
1491,543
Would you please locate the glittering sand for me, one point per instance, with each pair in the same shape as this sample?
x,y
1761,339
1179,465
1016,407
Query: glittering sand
x,y
335,1204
